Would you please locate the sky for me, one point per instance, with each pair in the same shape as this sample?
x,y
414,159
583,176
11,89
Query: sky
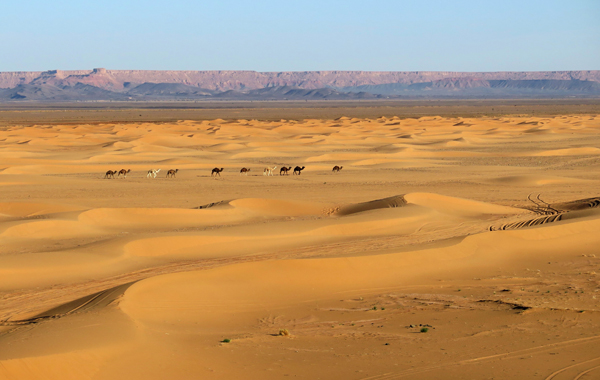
x,y
291,35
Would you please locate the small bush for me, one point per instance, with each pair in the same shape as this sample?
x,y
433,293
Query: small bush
x,y
424,329
284,332
226,340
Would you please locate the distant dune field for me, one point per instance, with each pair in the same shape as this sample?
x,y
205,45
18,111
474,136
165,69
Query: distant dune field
x,y
446,247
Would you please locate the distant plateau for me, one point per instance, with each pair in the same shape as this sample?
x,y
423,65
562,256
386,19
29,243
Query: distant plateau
x,y
153,85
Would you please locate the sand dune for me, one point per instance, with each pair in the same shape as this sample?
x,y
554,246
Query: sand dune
x,y
279,207
29,209
570,152
446,248
54,229
533,180
145,218
390,202
228,300
457,206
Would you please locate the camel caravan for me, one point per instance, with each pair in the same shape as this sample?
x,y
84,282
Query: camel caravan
x,y
171,173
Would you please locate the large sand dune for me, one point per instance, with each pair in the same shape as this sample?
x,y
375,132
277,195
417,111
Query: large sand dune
x,y
482,232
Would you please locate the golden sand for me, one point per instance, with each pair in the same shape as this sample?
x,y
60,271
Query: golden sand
x,y
445,248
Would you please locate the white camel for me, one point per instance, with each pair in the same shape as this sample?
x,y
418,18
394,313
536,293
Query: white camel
x,y
269,171
152,172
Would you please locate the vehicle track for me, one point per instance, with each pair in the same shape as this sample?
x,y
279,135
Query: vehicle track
x,y
89,302
506,355
552,213
579,375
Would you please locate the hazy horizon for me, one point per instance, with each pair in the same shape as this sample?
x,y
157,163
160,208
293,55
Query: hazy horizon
x,y
294,71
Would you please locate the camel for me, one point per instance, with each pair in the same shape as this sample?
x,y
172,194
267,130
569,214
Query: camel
x,y
337,168
171,173
152,172
284,170
269,171
110,173
124,172
216,171
298,169
244,171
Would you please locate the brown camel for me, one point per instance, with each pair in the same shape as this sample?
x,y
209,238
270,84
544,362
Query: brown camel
x,y
298,170
110,173
244,171
216,171
171,173
337,168
124,172
284,170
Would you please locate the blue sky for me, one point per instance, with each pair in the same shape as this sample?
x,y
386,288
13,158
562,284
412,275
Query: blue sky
x,y
421,35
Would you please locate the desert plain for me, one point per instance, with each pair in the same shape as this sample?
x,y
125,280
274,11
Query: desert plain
x,y
447,247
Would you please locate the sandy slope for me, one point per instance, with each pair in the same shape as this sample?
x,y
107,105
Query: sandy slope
x,y
427,225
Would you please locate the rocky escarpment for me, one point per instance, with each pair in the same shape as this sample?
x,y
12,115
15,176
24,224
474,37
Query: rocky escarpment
x,y
140,85
120,80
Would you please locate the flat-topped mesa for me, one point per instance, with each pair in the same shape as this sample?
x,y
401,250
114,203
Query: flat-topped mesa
x,y
54,74
225,80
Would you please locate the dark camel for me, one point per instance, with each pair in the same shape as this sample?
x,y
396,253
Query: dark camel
x,y
110,173
337,168
124,172
171,173
298,170
216,171
285,170
244,171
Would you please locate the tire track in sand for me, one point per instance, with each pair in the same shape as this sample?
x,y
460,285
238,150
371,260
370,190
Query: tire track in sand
x,y
579,375
89,302
506,355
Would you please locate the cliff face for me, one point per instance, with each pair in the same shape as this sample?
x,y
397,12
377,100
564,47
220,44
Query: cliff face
x,y
117,80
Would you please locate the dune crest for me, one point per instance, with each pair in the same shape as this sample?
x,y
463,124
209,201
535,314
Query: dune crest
x,y
457,206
